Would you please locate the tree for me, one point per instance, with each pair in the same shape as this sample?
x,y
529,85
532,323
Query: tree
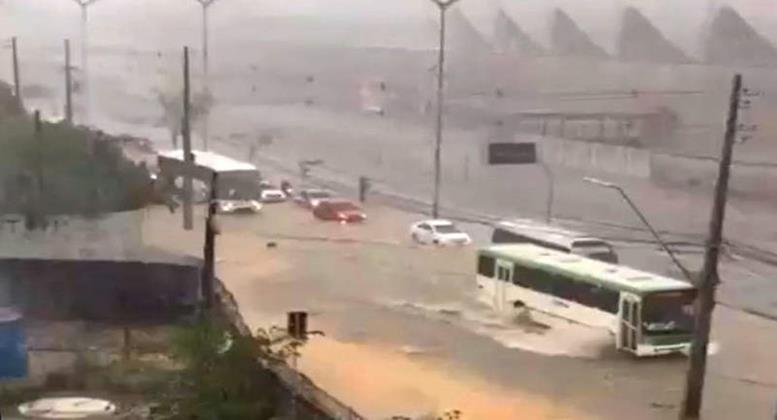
x,y
221,377
66,170
9,105
170,98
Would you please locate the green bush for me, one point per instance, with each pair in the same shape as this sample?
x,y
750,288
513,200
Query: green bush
x,y
65,170
9,105
221,378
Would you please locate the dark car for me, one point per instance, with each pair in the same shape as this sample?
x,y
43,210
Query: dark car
x,y
339,210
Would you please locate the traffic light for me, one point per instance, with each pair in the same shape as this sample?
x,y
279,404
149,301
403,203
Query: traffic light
x,y
297,326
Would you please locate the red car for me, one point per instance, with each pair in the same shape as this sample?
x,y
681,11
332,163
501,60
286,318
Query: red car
x,y
339,210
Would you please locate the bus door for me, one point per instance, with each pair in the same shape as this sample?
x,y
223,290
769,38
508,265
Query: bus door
x,y
629,314
504,278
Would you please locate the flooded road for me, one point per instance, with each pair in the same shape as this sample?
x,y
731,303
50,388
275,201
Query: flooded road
x,y
404,323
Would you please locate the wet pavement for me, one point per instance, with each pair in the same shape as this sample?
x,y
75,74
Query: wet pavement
x,y
405,333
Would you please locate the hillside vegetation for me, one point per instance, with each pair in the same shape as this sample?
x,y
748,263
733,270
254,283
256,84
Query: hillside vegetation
x,y
64,169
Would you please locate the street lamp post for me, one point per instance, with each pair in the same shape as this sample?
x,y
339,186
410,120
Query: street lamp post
x,y
205,6
443,5
84,5
642,217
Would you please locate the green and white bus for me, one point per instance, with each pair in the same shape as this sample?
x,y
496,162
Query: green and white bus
x,y
648,314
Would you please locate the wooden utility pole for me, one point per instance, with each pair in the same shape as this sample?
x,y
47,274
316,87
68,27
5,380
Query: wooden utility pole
x,y
68,85
188,157
36,220
39,154
705,300
17,87
209,249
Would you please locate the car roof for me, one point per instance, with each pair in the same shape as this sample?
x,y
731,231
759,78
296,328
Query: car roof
x,y
437,222
548,233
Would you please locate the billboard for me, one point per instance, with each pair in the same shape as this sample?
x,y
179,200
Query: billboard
x,y
511,153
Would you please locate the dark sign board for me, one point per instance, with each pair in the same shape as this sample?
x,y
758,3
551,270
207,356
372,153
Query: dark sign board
x,y
512,153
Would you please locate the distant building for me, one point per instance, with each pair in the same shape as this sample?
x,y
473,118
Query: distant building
x,y
636,128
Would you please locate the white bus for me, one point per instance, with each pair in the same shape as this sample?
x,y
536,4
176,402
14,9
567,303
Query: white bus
x,y
238,186
648,314
525,231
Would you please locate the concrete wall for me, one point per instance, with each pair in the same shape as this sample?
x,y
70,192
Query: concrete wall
x,y
602,158
107,291
670,170
750,180
112,236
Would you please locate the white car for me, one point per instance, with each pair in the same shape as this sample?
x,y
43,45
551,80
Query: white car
x,y
239,206
438,232
310,198
272,195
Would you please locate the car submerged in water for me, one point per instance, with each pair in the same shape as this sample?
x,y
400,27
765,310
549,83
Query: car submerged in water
x,y
342,211
269,193
438,232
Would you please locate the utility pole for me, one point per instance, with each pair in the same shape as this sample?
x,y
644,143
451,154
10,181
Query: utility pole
x,y
84,5
68,85
443,5
37,220
209,249
705,300
188,156
38,155
206,87
17,87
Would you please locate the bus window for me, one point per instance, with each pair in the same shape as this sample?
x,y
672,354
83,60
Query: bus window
x,y
564,288
604,299
668,312
486,266
536,280
522,277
